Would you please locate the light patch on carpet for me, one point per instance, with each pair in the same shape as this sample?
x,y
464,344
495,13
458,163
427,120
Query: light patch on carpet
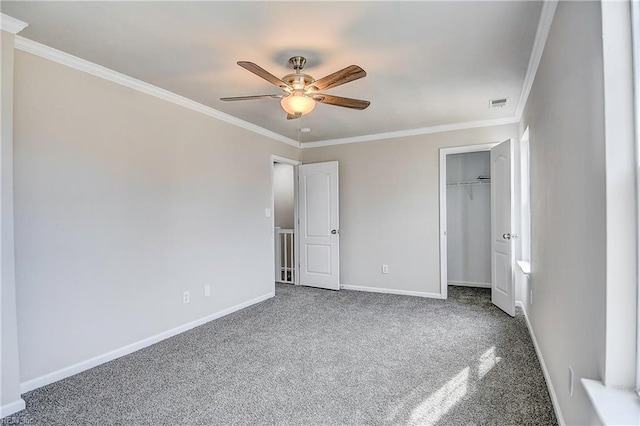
x,y
487,361
441,401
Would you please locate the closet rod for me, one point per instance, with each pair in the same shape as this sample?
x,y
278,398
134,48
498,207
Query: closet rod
x,y
470,182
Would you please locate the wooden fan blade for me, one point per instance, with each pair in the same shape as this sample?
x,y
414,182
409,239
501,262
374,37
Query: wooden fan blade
x,y
294,116
340,101
260,72
350,73
249,98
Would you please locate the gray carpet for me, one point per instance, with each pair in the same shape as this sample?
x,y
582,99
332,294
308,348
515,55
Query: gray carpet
x,y
318,357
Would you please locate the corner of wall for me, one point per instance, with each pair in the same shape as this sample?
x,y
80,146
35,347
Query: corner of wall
x,y
10,386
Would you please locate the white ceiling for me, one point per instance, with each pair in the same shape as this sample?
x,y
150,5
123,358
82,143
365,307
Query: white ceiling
x,y
427,63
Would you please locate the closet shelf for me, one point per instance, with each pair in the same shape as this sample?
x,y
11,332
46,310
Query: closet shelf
x,y
470,182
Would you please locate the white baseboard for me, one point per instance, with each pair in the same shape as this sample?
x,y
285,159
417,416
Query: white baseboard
x,y
545,372
391,291
69,371
469,284
12,408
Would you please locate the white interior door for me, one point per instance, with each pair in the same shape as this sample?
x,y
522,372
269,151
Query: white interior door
x,y
319,227
502,283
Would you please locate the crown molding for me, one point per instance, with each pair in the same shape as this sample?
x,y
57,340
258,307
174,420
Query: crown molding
x,y
35,48
544,26
71,61
412,132
11,24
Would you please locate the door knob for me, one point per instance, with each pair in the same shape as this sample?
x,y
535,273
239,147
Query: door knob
x,y
506,236
335,231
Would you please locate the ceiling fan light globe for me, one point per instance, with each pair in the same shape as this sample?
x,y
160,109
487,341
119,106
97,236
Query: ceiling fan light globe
x,y
298,103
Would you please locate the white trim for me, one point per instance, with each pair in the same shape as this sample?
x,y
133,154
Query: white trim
x,y
69,371
11,24
544,26
442,162
469,284
284,160
390,291
525,266
543,365
12,408
296,226
71,61
412,132
469,148
512,214
443,204
613,406
620,203
635,38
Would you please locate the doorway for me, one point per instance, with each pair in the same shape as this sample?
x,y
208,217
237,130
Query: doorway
x,y
285,219
476,239
469,219
311,257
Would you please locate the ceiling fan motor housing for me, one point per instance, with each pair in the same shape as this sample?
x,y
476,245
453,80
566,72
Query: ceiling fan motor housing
x,y
298,81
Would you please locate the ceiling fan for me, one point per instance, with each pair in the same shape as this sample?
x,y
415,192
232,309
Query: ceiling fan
x,y
301,91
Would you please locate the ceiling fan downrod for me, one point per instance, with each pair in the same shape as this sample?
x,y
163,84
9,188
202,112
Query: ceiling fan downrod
x,y
297,62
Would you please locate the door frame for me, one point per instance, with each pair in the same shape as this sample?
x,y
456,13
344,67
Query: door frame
x,y
443,204
295,164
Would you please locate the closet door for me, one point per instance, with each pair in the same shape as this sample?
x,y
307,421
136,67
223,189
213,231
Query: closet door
x,y
502,282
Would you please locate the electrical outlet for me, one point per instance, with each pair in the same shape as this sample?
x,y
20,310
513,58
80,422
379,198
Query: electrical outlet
x,y
570,381
385,269
207,290
185,297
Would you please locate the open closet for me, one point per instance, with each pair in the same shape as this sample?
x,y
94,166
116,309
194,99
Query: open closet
x,y
469,219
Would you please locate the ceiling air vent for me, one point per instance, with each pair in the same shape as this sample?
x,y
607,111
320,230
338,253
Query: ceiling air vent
x,y
497,103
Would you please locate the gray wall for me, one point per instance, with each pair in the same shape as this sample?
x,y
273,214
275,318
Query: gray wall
x,y
283,196
565,117
9,369
469,220
389,206
123,201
